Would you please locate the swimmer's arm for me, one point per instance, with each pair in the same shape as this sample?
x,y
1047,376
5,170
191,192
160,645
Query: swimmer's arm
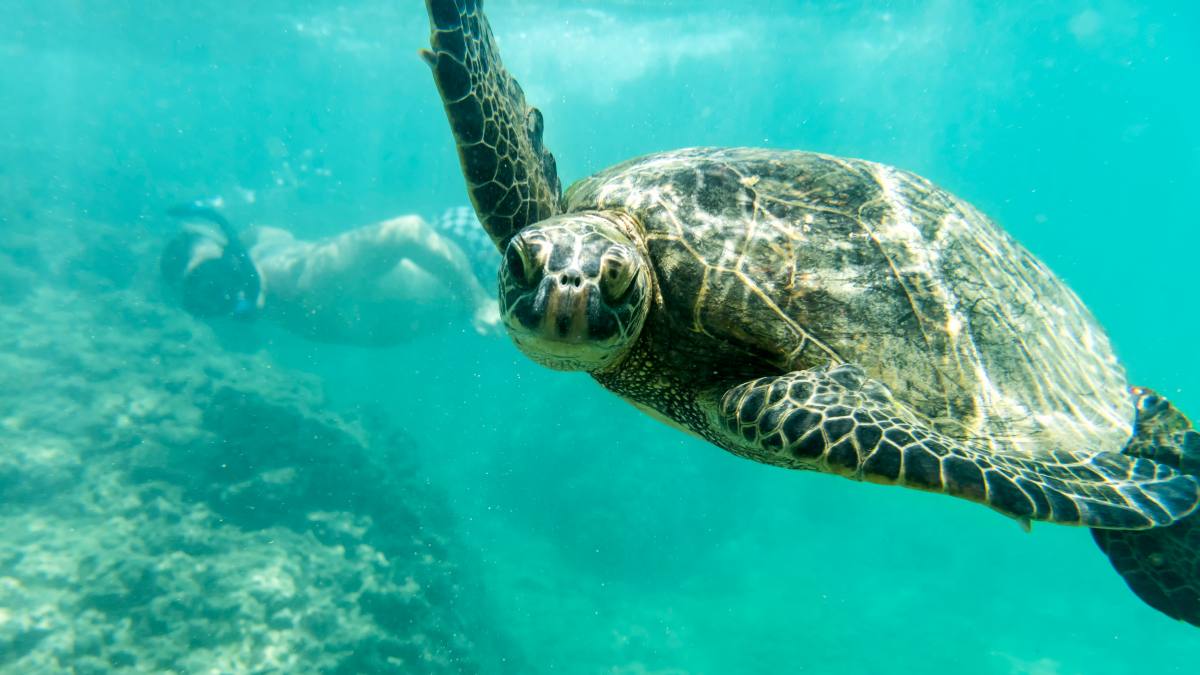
x,y
411,239
377,249
378,261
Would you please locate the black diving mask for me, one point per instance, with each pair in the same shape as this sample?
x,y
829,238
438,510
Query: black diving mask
x,y
214,278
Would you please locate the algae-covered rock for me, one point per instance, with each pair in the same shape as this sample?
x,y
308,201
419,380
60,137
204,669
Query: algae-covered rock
x,y
167,506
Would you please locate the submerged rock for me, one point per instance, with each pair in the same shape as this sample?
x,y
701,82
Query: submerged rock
x,y
168,506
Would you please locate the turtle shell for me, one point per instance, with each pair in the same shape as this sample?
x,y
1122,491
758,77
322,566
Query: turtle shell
x,y
800,259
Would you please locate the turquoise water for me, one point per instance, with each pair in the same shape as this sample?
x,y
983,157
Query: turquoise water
x,y
603,541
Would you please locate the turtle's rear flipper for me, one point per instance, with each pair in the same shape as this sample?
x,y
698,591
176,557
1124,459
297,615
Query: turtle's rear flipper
x,y
510,175
1161,565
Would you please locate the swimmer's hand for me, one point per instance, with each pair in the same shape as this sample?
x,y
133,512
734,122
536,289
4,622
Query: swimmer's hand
x,y
487,317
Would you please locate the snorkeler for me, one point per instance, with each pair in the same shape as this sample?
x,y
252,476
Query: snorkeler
x,y
379,285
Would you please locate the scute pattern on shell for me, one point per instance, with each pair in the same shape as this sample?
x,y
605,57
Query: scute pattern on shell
x,y
807,259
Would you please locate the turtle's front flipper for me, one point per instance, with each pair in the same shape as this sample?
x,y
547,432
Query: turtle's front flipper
x,y
510,175
1161,565
837,420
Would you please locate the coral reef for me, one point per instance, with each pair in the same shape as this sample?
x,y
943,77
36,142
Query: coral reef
x,y
169,506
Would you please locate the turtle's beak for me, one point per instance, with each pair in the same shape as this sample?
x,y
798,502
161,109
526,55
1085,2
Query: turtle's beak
x,y
567,309
564,323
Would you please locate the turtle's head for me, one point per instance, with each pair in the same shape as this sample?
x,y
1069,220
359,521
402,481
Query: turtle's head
x,y
575,290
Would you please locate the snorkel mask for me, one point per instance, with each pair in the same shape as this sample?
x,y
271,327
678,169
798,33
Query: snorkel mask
x,y
211,270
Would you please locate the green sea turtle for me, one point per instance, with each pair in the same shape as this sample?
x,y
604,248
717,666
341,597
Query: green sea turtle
x,y
814,312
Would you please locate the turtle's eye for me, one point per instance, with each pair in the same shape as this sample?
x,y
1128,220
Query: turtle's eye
x,y
517,261
616,276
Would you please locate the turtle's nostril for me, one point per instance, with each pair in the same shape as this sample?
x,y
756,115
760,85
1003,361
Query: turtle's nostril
x,y
570,279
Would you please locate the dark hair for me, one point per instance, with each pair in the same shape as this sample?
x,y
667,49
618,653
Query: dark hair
x,y
227,285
